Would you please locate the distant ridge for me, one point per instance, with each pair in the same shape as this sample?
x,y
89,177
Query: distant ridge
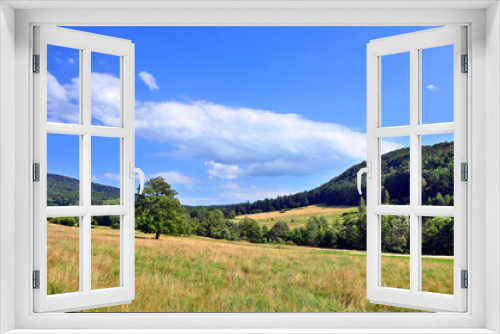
x,y
64,191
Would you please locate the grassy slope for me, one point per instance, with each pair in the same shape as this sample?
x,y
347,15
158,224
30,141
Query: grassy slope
x,y
299,216
204,275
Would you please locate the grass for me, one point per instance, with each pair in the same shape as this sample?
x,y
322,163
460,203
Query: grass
x,y
196,274
299,216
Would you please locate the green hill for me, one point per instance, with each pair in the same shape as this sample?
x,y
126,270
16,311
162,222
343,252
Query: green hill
x,y
63,191
437,172
437,183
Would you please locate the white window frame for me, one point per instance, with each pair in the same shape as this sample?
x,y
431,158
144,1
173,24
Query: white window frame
x,y
482,19
414,43
86,44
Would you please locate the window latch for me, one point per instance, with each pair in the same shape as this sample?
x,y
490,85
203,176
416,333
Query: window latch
x,y
368,171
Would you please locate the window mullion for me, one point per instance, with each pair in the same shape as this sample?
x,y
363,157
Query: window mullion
x,y
85,168
414,169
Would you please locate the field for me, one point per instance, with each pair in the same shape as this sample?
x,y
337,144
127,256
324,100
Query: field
x,y
195,274
299,216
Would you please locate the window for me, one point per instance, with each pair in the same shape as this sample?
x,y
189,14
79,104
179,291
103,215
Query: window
x,y
74,133
414,212
482,241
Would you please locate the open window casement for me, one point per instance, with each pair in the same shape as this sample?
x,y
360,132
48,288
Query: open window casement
x,y
85,132
414,45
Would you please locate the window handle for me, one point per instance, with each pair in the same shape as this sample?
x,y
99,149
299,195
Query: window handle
x,y
368,171
134,170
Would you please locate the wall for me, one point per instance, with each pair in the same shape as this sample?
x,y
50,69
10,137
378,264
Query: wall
x,y
7,160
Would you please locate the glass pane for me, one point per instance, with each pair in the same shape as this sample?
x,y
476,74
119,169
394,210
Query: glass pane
x,y
437,84
63,255
105,260
105,171
63,170
395,90
437,254
395,258
105,90
63,85
437,169
395,170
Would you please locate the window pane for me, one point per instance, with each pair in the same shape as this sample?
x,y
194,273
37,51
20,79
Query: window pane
x,y
105,90
437,84
395,258
106,171
105,260
63,255
437,170
395,90
63,170
395,170
437,254
63,85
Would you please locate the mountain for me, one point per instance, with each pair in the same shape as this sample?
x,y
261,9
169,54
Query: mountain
x,y
437,183
64,191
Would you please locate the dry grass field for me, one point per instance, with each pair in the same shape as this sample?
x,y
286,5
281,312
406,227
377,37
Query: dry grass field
x,y
299,216
195,274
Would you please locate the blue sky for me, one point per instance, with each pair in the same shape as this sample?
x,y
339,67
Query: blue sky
x,y
230,114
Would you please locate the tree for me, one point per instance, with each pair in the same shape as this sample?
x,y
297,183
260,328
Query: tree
x,y
279,230
386,198
158,211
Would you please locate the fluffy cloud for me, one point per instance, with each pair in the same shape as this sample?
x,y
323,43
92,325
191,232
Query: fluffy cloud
x,y
232,141
174,177
149,80
222,171
432,87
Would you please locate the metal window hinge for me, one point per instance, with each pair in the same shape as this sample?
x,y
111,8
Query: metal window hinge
x,y
464,171
36,279
36,63
465,64
465,279
36,172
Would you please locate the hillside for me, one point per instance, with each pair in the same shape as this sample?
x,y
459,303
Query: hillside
x,y
437,183
437,172
63,191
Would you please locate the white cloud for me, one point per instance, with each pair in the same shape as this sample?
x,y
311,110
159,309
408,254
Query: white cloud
x,y
112,176
222,171
71,60
432,87
149,80
62,100
231,141
174,177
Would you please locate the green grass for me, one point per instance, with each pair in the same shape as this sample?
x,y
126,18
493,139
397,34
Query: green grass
x,y
196,274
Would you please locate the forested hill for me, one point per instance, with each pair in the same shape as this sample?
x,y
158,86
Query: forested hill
x,y
63,191
437,183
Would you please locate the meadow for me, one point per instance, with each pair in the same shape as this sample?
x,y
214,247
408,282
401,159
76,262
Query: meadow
x,y
298,217
197,274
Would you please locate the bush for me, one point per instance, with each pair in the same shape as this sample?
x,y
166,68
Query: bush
x,y
66,221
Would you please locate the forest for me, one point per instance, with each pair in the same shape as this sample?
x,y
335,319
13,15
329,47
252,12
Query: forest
x,y
158,210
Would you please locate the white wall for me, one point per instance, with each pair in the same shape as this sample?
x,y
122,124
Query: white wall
x,y
492,165
7,160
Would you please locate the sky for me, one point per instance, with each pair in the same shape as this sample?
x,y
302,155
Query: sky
x,y
235,114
